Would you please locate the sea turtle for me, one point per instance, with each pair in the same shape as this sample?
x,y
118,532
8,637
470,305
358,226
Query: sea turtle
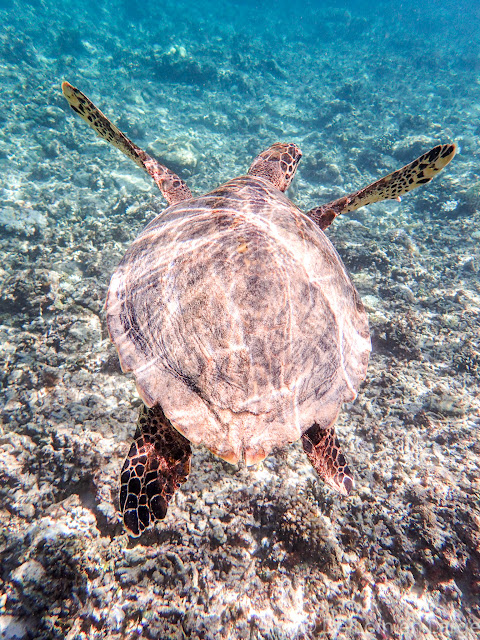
x,y
238,320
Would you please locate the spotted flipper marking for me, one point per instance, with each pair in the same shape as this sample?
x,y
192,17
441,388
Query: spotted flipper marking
x,y
172,187
323,451
156,465
391,187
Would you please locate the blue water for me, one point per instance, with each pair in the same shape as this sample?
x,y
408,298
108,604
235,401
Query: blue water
x,y
363,88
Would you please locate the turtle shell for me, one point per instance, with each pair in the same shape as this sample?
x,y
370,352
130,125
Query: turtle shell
x,y
236,315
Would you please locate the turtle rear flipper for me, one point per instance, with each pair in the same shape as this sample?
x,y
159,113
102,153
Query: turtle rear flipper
x,y
156,465
324,452
172,187
391,187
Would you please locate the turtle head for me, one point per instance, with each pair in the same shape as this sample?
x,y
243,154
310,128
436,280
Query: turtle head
x,y
277,164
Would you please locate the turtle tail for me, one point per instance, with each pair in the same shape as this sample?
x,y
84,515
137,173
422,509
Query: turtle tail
x,y
156,465
391,187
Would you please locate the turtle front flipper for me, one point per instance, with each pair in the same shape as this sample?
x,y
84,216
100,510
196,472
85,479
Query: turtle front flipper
x,y
323,451
391,187
172,187
156,465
